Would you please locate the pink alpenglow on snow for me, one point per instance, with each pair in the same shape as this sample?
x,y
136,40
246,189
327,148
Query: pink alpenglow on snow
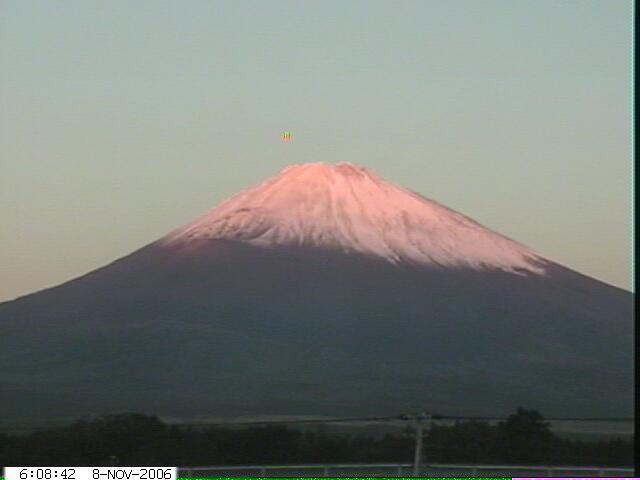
x,y
351,209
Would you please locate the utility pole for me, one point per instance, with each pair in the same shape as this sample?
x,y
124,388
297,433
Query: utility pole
x,y
417,456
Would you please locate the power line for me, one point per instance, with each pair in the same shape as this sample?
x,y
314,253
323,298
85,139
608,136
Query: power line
x,y
395,418
550,419
290,422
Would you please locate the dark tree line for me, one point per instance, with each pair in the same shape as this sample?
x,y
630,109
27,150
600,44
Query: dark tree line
x,y
136,439
524,438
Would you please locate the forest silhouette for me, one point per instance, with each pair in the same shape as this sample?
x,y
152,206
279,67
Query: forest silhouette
x,y
142,440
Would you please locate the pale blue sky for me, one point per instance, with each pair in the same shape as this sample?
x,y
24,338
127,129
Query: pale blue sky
x,y
121,120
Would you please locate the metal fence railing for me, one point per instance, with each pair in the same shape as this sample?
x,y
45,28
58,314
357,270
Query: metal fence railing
x,y
402,470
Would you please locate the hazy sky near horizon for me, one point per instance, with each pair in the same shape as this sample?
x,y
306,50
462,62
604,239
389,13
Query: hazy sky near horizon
x,y
121,120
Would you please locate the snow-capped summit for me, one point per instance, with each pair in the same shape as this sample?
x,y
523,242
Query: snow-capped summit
x,y
351,209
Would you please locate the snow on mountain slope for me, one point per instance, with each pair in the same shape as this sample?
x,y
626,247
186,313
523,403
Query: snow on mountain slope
x,y
349,208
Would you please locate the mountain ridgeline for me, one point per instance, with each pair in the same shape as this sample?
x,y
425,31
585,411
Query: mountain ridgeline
x,y
323,291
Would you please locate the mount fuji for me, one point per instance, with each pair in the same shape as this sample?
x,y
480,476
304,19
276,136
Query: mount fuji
x,y
322,291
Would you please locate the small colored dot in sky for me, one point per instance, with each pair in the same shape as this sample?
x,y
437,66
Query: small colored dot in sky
x,y
286,136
